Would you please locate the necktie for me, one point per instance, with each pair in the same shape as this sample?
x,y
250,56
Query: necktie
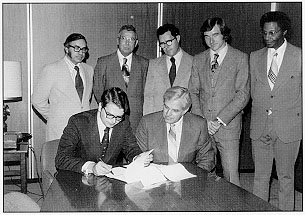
x,y
172,71
172,131
125,71
105,142
273,71
214,64
172,150
79,83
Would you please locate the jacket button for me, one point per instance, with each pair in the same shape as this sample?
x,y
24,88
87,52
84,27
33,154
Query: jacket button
x,y
271,96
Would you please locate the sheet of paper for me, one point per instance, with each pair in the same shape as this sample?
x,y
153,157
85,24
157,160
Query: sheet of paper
x,y
175,172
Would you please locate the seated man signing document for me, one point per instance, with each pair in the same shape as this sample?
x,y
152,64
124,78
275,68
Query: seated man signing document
x,y
175,134
92,140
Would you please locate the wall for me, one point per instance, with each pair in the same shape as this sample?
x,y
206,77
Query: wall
x,y
100,22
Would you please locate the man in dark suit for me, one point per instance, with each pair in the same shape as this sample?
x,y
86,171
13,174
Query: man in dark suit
x,y
276,116
92,140
173,68
219,87
123,69
176,135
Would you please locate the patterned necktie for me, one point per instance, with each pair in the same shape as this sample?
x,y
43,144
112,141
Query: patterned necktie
x,y
273,71
79,83
172,71
214,64
125,71
105,142
172,131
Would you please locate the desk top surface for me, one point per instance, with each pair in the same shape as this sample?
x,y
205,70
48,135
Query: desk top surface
x,y
72,192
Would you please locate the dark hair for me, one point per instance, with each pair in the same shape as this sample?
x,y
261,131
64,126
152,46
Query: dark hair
x,y
279,17
168,27
129,28
209,24
73,37
117,96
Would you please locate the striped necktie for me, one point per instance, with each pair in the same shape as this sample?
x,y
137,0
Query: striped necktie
x,y
273,71
214,64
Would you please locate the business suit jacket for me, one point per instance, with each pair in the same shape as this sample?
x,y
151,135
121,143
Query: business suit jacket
x,y
285,99
157,81
80,142
107,74
231,92
55,96
195,146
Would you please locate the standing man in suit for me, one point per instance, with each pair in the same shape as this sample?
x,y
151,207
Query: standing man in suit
x,y
64,88
175,134
92,140
276,117
123,69
171,69
219,87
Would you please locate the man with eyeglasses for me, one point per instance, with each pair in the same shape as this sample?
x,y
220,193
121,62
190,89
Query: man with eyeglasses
x,y
93,140
64,88
123,69
276,116
220,89
173,68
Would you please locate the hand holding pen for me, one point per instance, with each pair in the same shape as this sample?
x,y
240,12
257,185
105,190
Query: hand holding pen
x,y
101,168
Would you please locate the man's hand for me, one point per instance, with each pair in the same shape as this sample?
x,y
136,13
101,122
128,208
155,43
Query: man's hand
x,y
101,168
146,158
213,126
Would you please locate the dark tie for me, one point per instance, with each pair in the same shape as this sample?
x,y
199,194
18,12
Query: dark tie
x,y
172,71
272,74
79,83
105,142
214,64
125,71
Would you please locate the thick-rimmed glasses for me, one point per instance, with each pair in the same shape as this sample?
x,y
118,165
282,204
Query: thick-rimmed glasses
x,y
167,42
270,33
111,116
77,48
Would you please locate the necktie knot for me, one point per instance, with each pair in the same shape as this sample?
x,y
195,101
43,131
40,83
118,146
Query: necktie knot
x,y
106,130
76,68
172,59
124,60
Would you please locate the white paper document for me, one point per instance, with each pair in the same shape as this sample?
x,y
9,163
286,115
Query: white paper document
x,y
152,174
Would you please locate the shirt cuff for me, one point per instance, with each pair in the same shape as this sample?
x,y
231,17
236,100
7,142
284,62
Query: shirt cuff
x,y
220,121
87,167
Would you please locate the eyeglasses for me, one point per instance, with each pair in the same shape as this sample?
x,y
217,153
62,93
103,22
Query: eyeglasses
x,y
77,48
270,33
132,39
167,42
111,116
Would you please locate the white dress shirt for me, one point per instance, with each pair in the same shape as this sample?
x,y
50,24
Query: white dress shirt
x,y
173,146
177,57
280,54
121,57
73,71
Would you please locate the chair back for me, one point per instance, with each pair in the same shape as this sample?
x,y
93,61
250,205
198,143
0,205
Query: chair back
x,y
19,202
47,162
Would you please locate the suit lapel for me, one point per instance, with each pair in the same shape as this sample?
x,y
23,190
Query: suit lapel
x,y
262,69
93,129
163,144
185,136
284,70
70,89
163,71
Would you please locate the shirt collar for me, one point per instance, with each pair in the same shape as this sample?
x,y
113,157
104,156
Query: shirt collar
x,y
177,56
222,52
120,56
280,50
179,123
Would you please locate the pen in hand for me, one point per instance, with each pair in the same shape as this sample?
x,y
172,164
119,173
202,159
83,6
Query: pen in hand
x,y
101,168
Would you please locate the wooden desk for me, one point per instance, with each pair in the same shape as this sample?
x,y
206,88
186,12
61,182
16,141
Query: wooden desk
x,y
202,193
17,157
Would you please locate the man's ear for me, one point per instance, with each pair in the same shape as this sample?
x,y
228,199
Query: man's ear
x,y
178,38
66,49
